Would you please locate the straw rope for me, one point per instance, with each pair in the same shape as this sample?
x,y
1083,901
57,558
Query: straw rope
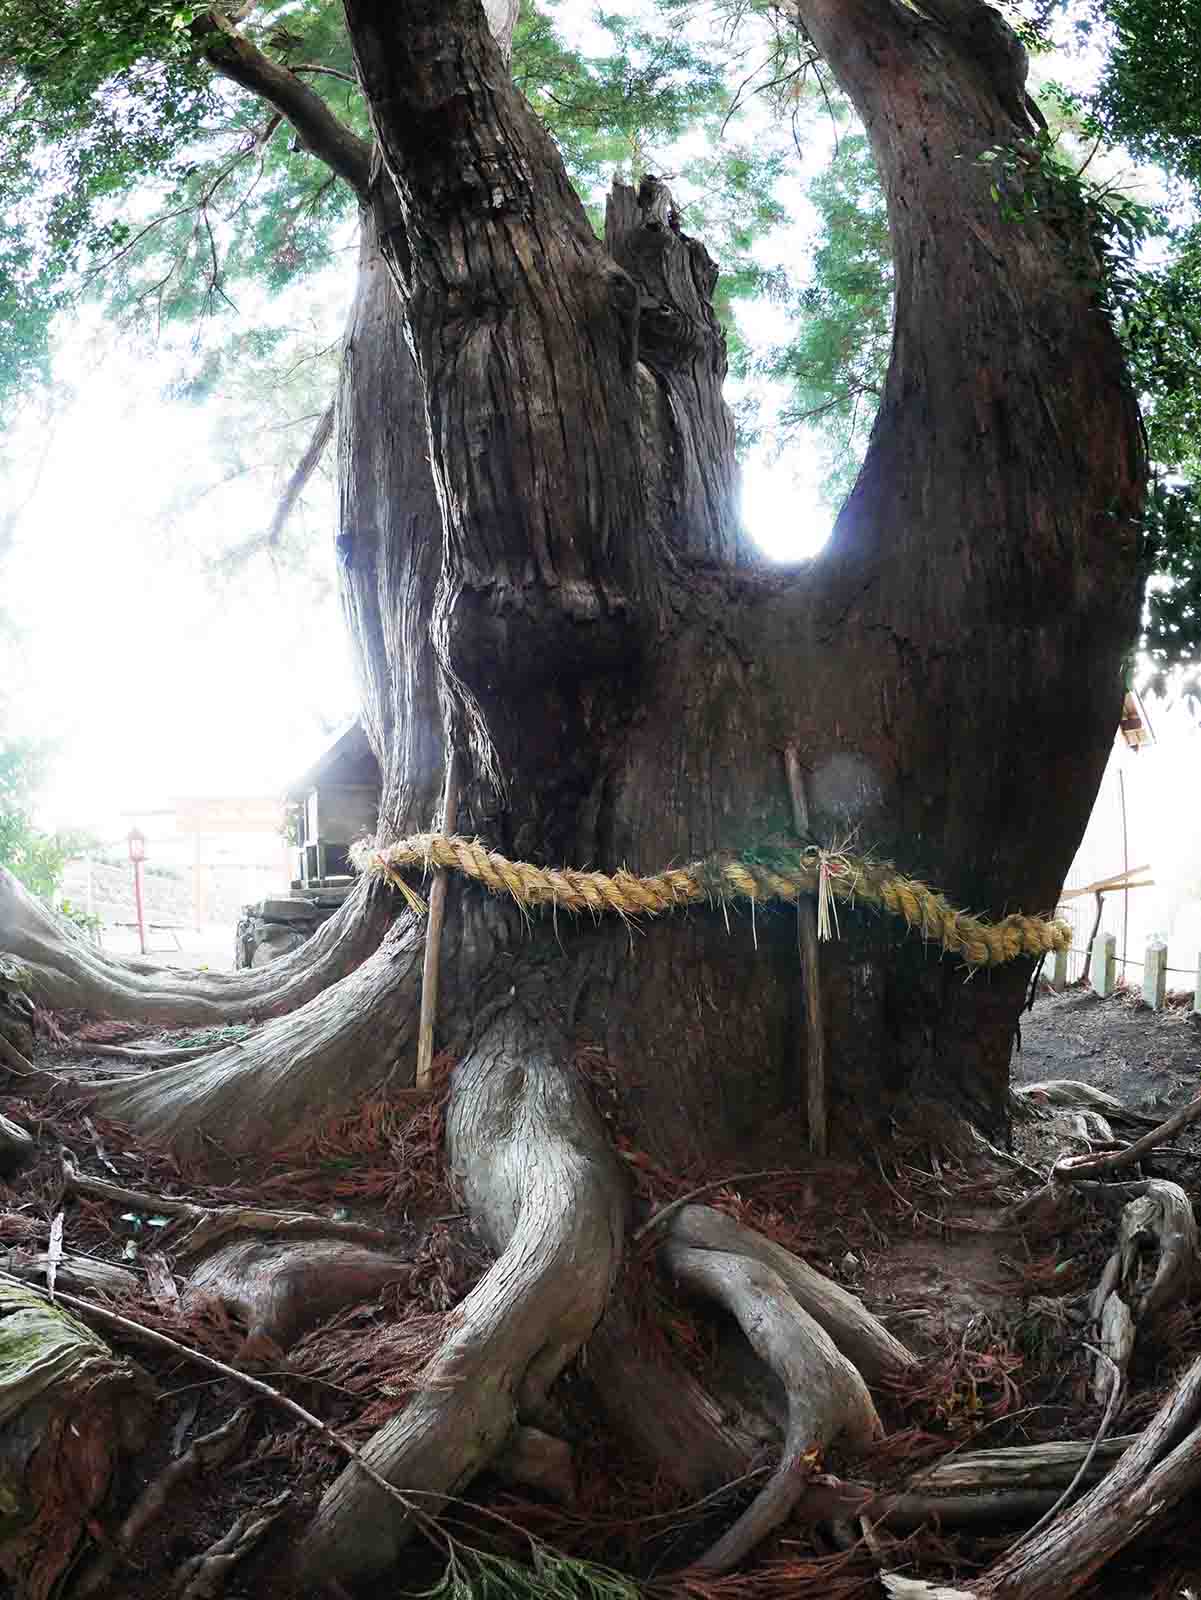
x,y
782,874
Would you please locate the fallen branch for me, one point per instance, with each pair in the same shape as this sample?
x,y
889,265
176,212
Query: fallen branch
x,y
211,1223
162,1341
1117,1389
79,1272
1151,1477
1071,1167
207,1453
205,1576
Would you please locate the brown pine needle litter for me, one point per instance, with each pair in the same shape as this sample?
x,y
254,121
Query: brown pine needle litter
x,y
778,873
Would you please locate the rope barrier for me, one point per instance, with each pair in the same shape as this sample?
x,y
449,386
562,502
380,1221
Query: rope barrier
x,y
779,873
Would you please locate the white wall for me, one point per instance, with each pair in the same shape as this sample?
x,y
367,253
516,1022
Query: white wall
x,y
1160,786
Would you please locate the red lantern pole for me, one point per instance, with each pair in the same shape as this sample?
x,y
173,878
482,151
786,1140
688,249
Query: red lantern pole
x,y
137,854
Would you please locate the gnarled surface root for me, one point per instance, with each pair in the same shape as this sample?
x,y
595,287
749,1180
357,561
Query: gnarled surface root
x,y
862,1338
1156,1221
281,1290
827,1397
316,1063
66,972
1152,1475
660,1410
538,1174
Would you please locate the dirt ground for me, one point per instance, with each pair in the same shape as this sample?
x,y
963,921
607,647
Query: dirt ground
x,y
997,1316
1150,1060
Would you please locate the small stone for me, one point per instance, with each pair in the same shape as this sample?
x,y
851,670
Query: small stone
x,y
286,910
850,1262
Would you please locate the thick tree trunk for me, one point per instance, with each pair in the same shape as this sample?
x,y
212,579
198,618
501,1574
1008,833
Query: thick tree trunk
x,y
539,531
542,569
624,675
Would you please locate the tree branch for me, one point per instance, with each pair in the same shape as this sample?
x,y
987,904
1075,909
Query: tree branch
x,y
296,484
318,130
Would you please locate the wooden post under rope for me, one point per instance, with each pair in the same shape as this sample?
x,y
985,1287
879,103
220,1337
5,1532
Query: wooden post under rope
x,y
815,1033
433,932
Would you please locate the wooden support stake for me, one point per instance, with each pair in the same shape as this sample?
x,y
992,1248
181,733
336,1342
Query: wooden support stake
x,y
433,933
815,1033
1092,938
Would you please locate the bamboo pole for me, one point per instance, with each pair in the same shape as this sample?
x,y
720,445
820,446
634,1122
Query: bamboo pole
x,y
815,1033
433,932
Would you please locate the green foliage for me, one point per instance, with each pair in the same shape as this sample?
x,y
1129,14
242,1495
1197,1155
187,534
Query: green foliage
x,y
79,918
34,857
836,364
1149,97
480,1575
607,113
1172,618
1161,329
93,97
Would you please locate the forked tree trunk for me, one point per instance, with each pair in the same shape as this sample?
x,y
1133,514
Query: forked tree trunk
x,y
624,674
569,593
542,566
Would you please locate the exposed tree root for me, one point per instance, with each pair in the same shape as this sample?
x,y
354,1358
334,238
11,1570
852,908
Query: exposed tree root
x,y
1075,1167
539,1175
69,1411
142,1055
1158,1214
827,1398
16,1145
208,1452
538,1460
1070,1094
660,1409
64,971
205,1577
1151,1476
299,1069
862,1338
281,1290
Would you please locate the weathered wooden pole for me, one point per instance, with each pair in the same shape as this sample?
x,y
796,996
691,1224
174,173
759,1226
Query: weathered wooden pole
x,y
815,1033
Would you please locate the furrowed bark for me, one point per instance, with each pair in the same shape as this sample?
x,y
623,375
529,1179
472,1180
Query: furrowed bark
x,y
389,547
515,312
